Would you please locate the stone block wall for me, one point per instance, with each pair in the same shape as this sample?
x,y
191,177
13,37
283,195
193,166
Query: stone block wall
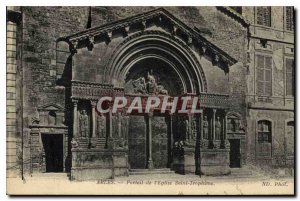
x,y
42,64
12,141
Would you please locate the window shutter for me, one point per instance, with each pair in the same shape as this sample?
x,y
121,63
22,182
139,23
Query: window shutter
x,y
260,74
260,15
268,76
260,61
264,16
268,62
290,77
264,75
289,14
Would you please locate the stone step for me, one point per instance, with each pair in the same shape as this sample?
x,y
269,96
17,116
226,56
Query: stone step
x,y
147,170
153,171
51,175
240,172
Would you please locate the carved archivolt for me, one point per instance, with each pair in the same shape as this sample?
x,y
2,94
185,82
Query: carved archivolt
x,y
114,67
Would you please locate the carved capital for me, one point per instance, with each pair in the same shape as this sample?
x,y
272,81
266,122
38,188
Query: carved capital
x,y
93,103
150,114
75,102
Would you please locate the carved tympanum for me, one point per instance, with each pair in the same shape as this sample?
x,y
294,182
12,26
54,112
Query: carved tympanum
x,y
148,86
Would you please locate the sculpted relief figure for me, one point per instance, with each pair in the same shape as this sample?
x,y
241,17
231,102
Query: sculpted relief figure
x,y
74,143
119,125
84,124
151,84
125,124
218,128
114,126
101,126
161,90
205,128
139,85
148,86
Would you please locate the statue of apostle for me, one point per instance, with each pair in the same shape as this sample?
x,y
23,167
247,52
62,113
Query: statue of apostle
x,y
84,124
101,126
218,128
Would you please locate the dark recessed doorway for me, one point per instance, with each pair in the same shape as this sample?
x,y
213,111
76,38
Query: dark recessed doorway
x,y
53,146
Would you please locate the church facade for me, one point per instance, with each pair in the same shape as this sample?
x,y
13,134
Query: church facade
x,y
61,60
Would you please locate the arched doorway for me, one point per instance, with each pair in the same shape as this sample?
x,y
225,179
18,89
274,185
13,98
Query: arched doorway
x,y
176,71
166,79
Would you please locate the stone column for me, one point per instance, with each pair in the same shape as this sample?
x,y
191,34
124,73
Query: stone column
x,y
171,141
75,118
225,128
149,119
214,125
120,134
109,139
110,123
225,143
201,126
199,143
93,103
190,118
171,131
213,137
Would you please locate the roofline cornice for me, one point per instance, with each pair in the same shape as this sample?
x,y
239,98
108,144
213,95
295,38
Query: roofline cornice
x,y
192,35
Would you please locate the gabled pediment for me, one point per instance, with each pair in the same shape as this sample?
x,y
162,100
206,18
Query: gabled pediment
x,y
51,107
141,22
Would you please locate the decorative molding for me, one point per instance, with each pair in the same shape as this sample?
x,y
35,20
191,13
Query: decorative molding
x,y
51,107
107,29
90,90
214,100
110,66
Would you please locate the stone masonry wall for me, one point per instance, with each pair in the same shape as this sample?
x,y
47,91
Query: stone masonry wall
x,y
11,113
42,26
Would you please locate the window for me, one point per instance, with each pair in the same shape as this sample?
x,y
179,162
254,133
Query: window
x,y
289,18
264,132
263,15
264,75
290,77
290,138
